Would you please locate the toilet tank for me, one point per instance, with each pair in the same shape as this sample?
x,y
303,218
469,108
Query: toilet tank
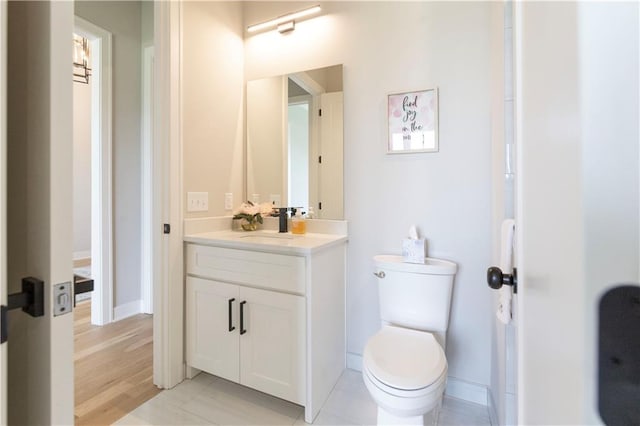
x,y
415,295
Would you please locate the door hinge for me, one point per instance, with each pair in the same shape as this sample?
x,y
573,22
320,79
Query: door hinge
x,y
320,206
320,112
167,228
320,159
30,299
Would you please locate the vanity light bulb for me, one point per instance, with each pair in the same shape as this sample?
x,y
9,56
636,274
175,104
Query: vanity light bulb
x,y
284,20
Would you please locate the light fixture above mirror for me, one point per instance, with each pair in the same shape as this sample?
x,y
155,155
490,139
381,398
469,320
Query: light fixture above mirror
x,y
284,23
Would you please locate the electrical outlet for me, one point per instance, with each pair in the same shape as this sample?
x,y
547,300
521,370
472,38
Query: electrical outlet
x,y
255,198
228,201
197,201
275,200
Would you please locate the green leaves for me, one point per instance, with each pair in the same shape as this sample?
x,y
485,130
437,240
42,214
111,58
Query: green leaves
x,y
249,217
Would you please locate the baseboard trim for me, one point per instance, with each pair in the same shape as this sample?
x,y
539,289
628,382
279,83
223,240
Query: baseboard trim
x,y
83,296
127,310
81,262
467,391
354,361
456,388
493,409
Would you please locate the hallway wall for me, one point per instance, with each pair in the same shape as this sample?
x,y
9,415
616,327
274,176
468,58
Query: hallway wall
x,y
123,20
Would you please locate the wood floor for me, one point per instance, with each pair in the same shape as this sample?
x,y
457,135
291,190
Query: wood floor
x,y
113,367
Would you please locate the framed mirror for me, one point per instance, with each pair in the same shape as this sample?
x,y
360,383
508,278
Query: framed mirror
x,y
294,128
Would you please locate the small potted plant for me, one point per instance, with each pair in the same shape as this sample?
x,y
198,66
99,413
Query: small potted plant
x,y
251,214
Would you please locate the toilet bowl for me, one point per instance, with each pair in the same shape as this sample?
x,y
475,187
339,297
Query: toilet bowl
x,y
405,372
404,365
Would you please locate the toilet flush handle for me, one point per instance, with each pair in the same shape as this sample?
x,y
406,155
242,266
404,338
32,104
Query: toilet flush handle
x,y
380,274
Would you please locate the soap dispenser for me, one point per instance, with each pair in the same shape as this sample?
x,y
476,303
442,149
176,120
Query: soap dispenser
x,y
298,224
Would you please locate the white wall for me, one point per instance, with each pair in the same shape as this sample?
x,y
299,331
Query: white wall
x,y
391,47
123,20
81,170
212,114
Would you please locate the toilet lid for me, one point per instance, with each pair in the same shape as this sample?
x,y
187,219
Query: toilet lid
x,y
404,359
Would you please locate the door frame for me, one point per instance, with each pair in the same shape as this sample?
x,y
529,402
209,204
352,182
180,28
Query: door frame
x,y
146,224
101,170
3,201
167,258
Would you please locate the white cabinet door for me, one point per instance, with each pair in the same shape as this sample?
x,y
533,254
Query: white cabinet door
x,y
212,327
272,347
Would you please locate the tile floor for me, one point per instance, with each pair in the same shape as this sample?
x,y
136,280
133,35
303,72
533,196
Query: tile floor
x,y
207,400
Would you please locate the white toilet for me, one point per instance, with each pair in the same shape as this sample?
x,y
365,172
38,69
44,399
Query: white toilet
x,y
404,365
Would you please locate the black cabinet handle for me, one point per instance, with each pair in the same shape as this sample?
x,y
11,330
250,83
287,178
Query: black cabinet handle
x,y
242,330
231,327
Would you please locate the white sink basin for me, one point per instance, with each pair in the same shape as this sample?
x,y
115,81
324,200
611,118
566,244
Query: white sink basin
x,y
267,237
266,234
267,240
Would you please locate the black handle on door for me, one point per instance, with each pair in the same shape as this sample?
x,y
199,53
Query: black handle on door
x,y
496,279
242,330
231,327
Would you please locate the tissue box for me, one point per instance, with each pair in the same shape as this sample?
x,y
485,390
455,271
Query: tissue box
x,y
414,251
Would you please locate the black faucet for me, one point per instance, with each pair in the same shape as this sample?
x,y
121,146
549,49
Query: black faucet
x,y
282,213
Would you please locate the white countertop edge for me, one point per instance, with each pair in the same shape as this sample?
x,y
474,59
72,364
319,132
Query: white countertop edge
x,y
225,223
302,244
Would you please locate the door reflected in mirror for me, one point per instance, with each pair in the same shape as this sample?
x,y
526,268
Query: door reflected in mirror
x,y
295,141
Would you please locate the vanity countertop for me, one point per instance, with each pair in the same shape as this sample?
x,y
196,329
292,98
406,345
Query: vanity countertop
x,y
267,240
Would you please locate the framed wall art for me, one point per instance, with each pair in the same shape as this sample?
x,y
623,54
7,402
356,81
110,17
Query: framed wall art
x,y
413,122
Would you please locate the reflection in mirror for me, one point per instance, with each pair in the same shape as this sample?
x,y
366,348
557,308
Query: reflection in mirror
x,y
295,141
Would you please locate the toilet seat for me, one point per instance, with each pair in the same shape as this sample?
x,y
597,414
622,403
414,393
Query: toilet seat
x,y
404,360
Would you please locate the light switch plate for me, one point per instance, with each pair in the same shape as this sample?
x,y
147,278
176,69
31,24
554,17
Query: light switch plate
x,y
255,198
276,200
197,201
228,201
62,298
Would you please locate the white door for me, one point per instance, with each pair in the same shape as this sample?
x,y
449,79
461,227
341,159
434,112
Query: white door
x,y
272,343
578,185
3,202
39,195
213,327
330,170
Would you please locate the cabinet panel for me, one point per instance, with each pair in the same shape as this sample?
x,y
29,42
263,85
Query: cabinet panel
x,y
210,345
272,350
267,270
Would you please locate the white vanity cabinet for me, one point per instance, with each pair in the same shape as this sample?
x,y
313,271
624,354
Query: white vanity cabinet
x,y
249,336
267,320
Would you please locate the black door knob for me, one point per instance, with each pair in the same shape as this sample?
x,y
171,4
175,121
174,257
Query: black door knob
x,y
496,278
